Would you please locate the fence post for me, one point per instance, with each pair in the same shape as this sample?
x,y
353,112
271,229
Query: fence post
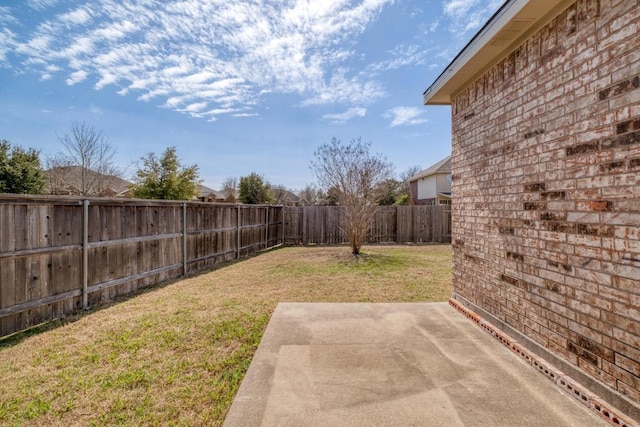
x,y
85,254
184,239
304,226
266,232
238,234
394,225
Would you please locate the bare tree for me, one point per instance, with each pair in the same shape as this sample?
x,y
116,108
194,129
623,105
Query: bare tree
x,y
310,195
283,196
58,171
407,174
356,176
229,188
86,161
403,196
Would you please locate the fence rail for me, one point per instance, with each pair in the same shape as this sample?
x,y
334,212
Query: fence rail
x,y
58,255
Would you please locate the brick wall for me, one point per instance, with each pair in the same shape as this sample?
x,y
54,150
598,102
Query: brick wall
x,y
546,178
413,193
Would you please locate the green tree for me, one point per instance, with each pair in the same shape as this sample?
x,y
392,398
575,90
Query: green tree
x,y
390,191
356,176
254,189
165,178
403,200
20,170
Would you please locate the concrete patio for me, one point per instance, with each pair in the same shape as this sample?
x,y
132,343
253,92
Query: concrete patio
x,y
404,364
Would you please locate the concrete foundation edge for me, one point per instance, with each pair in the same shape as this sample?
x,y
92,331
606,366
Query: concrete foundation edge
x,y
608,404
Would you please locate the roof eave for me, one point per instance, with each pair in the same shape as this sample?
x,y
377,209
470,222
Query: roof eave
x,y
512,23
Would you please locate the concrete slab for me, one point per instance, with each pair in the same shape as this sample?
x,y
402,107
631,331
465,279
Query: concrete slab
x,y
415,364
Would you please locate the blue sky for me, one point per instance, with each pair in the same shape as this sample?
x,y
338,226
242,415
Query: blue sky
x,y
236,86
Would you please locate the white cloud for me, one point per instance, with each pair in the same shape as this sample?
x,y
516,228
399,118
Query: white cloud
x,y
217,53
403,56
41,4
115,32
78,17
434,26
6,43
106,79
469,15
6,17
347,115
341,89
195,107
77,77
245,115
80,47
458,8
37,48
401,116
219,111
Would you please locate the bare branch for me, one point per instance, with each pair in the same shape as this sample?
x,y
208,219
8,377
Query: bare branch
x,y
355,178
229,188
87,158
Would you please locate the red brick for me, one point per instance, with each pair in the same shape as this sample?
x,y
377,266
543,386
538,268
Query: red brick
x,y
627,390
626,284
598,373
628,365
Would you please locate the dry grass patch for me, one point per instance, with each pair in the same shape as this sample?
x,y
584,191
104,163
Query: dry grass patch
x,y
176,354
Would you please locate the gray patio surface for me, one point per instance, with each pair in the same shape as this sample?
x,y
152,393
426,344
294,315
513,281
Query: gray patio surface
x,y
405,364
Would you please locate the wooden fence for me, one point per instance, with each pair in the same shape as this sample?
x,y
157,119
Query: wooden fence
x,y
391,224
59,255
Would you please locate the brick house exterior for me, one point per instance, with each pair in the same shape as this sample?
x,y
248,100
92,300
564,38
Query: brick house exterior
x,y
545,105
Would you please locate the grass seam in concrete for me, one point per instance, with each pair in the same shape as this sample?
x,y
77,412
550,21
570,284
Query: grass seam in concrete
x,y
610,414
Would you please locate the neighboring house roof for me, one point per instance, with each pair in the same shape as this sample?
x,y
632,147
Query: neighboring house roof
x,y
505,31
68,180
443,166
204,192
285,197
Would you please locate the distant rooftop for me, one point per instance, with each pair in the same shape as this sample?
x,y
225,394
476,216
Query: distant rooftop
x,y
443,166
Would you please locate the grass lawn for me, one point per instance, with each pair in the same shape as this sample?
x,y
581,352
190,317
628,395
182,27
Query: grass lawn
x,y
176,354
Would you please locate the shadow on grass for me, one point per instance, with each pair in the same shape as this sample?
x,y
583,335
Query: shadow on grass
x,y
18,337
365,261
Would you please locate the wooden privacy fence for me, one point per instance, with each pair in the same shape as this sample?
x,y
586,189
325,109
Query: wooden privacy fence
x,y
391,224
58,255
